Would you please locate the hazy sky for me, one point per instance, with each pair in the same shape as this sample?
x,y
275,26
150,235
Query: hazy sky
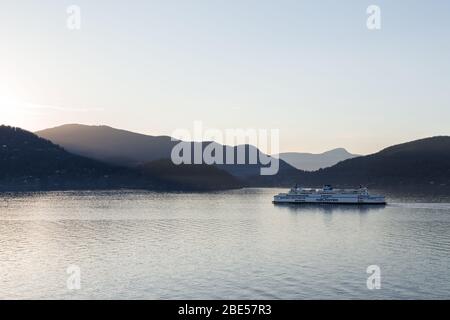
x,y
309,68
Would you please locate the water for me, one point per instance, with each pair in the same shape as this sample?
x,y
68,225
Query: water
x,y
227,245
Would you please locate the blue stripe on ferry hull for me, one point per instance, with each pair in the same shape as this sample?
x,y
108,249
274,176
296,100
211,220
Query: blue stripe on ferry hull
x,y
323,202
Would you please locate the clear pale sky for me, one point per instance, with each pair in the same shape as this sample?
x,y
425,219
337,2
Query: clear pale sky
x,y
309,68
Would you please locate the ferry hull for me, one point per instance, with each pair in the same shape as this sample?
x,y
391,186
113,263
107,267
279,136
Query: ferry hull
x,y
329,200
299,202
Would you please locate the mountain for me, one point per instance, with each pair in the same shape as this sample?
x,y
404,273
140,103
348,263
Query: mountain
x,y
120,147
110,145
196,177
420,166
313,162
28,162
420,163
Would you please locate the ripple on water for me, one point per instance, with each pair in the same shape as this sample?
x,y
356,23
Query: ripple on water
x,y
230,245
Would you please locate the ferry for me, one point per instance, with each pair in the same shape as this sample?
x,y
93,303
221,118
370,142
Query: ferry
x,y
329,195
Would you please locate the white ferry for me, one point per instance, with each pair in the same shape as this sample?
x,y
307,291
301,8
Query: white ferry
x,y
329,195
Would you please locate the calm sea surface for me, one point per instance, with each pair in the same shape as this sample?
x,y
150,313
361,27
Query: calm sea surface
x,y
228,245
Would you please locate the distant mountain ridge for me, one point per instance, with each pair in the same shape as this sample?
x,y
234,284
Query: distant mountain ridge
x,y
121,147
313,162
417,166
28,162
420,166
108,144
420,163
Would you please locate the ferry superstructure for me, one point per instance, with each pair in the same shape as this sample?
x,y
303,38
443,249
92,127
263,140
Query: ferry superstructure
x,y
329,195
